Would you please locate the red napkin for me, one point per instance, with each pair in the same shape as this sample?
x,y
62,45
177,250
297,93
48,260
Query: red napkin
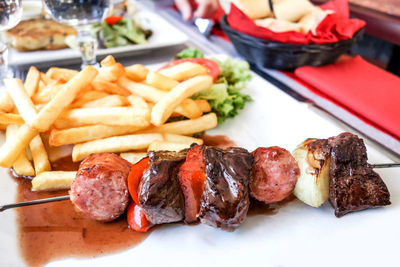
x,y
335,27
364,89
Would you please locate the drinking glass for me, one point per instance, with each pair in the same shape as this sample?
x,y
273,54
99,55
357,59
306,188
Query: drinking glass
x,y
10,15
81,14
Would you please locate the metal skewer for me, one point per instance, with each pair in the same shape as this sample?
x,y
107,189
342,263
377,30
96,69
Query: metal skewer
x,y
61,198
33,202
385,165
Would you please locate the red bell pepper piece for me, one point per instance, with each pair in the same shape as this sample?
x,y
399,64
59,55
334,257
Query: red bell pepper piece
x,y
135,175
137,219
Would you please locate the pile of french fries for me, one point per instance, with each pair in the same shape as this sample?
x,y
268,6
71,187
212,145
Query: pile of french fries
x,y
110,109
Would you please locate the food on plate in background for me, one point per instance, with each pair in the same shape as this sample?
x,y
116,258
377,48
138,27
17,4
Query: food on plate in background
x,y
255,9
119,31
37,34
288,15
278,25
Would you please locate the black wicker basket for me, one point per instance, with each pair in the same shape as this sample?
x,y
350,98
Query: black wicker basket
x,y
284,56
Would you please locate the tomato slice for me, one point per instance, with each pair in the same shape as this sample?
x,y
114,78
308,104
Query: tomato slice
x,y
135,175
137,219
111,20
211,65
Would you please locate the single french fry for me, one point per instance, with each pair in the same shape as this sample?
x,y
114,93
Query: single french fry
x,y
167,146
87,97
123,116
136,72
61,74
39,155
3,127
22,101
114,144
149,93
176,138
109,87
189,109
187,127
88,133
184,71
160,81
163,109
6,103
107,102
41,85
48,92
32,81
203,105
53,180
111,73
13,146
65,96
31,85
138,102
46,80
108,61
133,157
21,166
11,118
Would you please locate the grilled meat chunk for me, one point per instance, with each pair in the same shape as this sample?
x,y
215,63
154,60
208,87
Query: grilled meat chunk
x,y
160,194
225,198
354,185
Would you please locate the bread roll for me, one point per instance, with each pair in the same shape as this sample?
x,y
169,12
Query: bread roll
x,y
255,9
292,10
311,21
278,25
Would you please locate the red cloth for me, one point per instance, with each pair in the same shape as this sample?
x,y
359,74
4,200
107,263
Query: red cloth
x,y
335,27
364,89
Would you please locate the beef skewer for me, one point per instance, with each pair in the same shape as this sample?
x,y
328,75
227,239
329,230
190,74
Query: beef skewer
x,y
273,177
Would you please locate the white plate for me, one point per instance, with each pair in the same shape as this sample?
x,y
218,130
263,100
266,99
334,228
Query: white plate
x,y
164,35
298,235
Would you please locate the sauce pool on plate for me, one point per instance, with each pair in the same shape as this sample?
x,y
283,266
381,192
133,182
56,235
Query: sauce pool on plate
x,y
57,230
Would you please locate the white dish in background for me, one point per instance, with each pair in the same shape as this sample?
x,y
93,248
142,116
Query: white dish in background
x,y
164,35
298,235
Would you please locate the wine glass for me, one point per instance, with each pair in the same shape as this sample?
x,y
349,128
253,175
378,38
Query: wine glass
x,y
10,15
81,14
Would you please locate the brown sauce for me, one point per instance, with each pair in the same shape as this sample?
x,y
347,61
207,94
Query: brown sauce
x,y
56,230
220,141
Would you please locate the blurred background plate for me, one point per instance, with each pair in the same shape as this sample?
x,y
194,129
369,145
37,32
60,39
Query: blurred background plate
x,y
164,35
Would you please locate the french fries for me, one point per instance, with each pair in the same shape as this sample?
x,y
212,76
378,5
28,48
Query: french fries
x,y
168,146
123,116
107,102
187,127
22,166
113,109
39,155
136,72
24,104
65,96
133,157
115,144
10,118
184,71
54,180
160,81
164,108
87,133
